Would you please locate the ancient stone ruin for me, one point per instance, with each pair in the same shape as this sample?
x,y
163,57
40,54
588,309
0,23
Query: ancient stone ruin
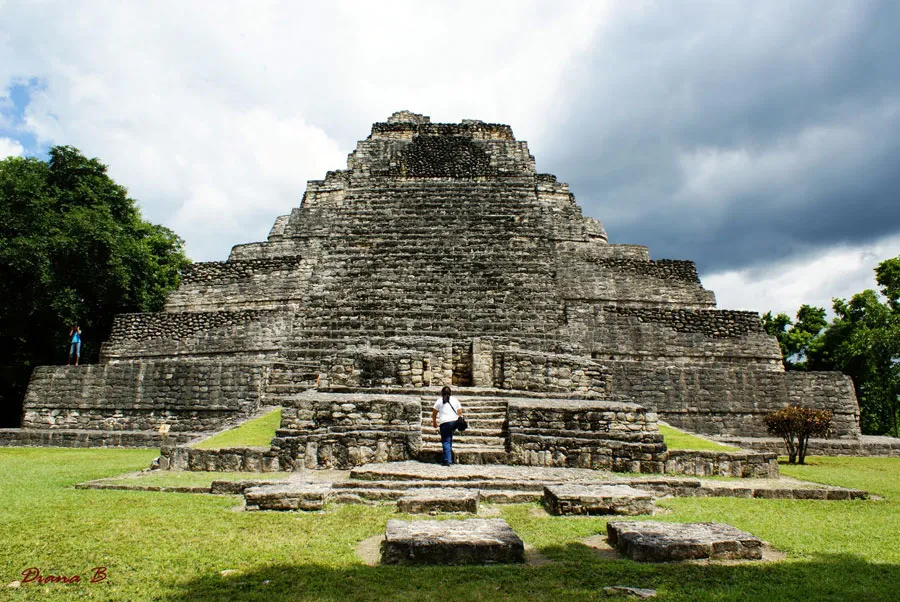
x,y
440,256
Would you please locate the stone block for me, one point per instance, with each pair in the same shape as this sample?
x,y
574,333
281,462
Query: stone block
x,y
433,501
472,541
654,541
288,496
575,499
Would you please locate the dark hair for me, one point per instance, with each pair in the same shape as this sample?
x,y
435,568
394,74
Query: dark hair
x,y
447,390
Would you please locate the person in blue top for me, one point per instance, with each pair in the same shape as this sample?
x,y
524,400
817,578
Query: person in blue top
x,y
446,412
74,344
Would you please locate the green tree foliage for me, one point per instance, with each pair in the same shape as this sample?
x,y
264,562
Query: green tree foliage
x,y
73,249
794,338
863,341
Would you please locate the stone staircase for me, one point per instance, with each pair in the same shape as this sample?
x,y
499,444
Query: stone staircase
x,y
484,442
501,484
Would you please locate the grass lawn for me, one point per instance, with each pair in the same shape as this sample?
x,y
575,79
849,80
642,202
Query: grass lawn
x,y
676,439
169,546
198,478
253,433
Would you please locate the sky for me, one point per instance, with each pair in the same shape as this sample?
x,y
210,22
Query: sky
x,y
759,139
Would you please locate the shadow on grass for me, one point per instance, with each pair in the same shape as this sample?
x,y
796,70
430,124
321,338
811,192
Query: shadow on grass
x,y
577,574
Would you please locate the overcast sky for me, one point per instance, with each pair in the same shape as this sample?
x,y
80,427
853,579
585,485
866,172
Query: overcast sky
x,y
759,139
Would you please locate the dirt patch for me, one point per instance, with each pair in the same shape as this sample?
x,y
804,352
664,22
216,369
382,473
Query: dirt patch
x,y
533,557
369,550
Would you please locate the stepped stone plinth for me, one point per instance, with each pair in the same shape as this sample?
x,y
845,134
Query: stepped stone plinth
x,y
654,541
471,541
437,500
438,256
575,499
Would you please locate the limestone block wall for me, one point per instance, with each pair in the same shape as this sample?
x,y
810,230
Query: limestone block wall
x,y
730,400
189,396
534,371
599,272
587,434
242,284
249,333
327,430
683,336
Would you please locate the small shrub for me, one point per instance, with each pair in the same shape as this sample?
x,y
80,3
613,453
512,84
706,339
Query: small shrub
x,y
796,424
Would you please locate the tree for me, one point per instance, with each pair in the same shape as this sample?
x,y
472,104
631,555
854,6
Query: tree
x,y
796,425
794,338
73,248
862,341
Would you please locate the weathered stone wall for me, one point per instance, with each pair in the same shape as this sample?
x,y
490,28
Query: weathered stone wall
x,y
724,399
747,465
592,272
234,459
59,437
586,434
326,430
554,373
275,282
867,445
685,336
189,396
248,333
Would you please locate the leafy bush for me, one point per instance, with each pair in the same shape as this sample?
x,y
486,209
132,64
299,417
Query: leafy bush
x,y
796,424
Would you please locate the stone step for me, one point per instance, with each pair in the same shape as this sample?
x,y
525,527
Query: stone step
x,y
447,480
476,422
467,455
474,430
463,440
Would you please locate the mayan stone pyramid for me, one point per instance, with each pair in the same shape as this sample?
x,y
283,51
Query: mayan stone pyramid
x,y
439,256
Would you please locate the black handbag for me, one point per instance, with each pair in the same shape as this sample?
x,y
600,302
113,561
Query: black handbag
x,y
461,422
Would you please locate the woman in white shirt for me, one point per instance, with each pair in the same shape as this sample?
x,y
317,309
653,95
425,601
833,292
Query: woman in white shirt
x,y
444,415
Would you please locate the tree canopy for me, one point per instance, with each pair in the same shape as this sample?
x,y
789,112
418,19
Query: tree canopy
x,y
74,248
863,341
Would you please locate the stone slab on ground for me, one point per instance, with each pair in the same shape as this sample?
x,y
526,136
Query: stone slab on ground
x,y
288,496
412,470
472,541
432,501
571,498
654,541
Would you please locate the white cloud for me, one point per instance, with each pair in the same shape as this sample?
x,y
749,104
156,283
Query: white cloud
x,y
10,148
214,115
813,280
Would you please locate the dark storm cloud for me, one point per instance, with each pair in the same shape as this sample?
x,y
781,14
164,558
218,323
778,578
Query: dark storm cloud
x,y
736,134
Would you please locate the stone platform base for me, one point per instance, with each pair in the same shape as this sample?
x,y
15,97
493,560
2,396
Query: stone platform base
x,y
289,496
473,541
574,499
60,437
866,445
433,501
654,541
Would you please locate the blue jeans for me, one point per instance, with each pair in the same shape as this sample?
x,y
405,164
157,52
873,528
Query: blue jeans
x,y
75,350
447,429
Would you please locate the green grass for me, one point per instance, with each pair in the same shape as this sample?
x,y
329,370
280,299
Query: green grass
x,y
173,547
676,439
191,479
253,433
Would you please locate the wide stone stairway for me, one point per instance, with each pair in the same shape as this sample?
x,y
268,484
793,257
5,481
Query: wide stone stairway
x,y
484,442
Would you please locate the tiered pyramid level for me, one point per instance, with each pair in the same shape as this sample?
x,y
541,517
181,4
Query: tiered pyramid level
x,y
439,256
